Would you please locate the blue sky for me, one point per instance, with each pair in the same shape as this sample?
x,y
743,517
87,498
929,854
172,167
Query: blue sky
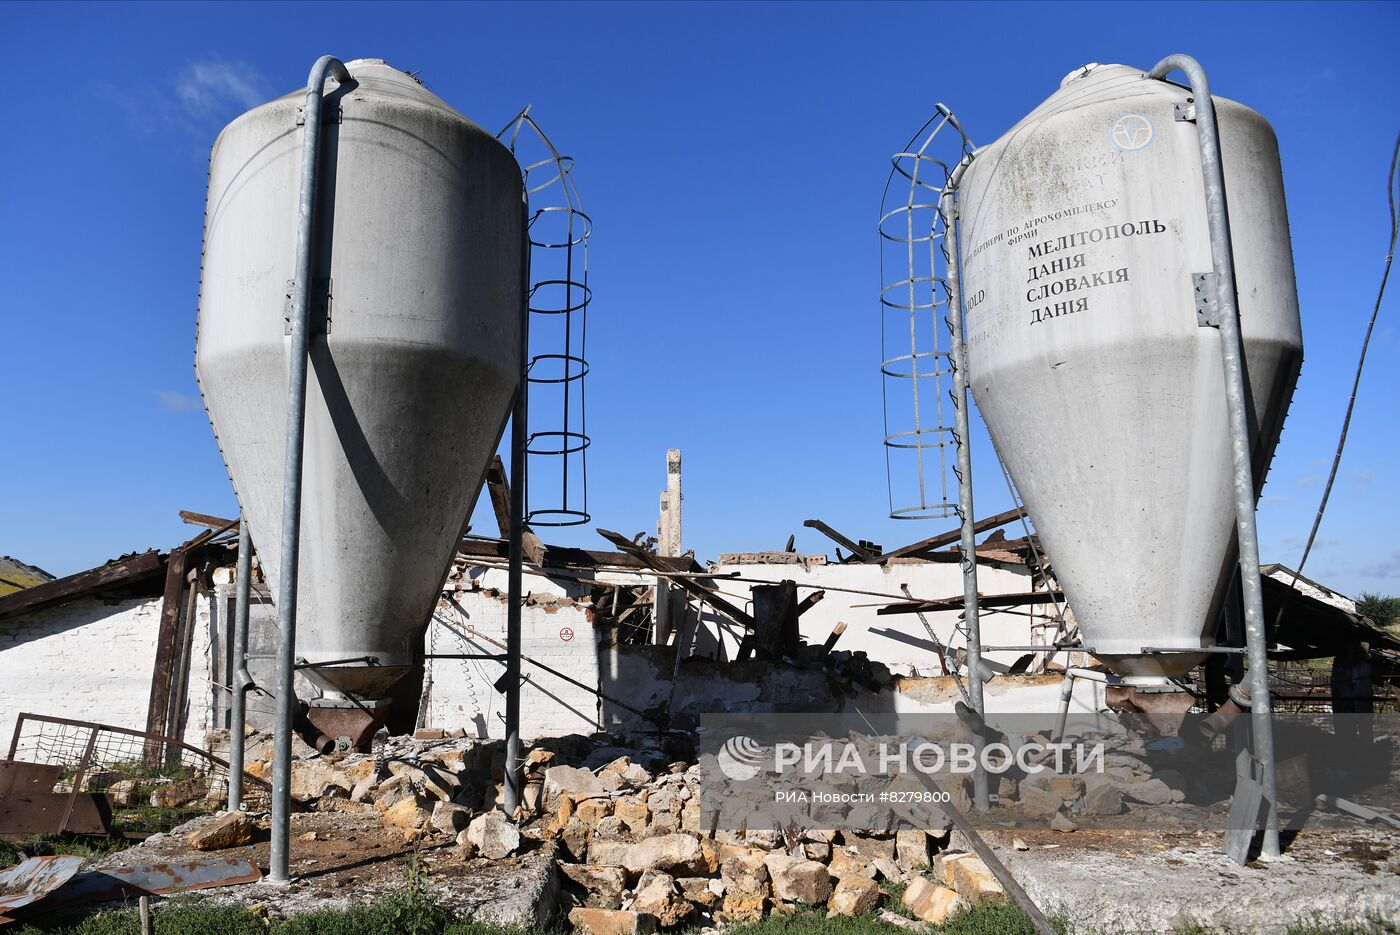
x,y
732,157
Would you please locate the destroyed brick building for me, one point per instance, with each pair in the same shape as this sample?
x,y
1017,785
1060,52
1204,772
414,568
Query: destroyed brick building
x,y
635,737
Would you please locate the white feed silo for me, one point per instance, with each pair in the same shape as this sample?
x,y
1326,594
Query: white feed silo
x,y
414,352
1084,241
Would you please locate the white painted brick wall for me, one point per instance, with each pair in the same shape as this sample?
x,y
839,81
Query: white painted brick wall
x,y
897,640
92,661
462,694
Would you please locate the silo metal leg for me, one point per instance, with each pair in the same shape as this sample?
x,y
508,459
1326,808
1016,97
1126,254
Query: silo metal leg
x,y
238,717
297,366
1237,402
968,540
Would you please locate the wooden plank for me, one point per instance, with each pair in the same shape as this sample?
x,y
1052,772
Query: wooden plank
x,y
810,601
124,571
854,548
983,600
948,538
207,521
498,487
557,556
163,670
689,585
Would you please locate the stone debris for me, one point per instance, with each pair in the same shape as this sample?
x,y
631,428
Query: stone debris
x,y
852,896
624,825
745,878
605,886
797,879
233,829
658,895
931,902
970,878
911,849
611,921
449,818
493,836
1103,799
670,852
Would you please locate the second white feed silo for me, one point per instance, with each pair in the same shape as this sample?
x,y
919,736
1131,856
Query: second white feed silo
x,y
414,352
1084,240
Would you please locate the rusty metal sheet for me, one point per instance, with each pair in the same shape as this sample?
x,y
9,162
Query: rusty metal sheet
x,y
28,813
34,879
157,879
18,776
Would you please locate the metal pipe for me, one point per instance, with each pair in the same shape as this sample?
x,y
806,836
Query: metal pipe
x,y
1217,650
519,443
242,682
297,365
1066,693
1236,397
967,543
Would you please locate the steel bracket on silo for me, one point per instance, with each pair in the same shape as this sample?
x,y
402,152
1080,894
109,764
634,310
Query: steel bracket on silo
x,y
327,116
320,306
1186,112
1207,306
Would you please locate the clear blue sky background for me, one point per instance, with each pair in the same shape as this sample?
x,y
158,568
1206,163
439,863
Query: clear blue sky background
x,y
732,157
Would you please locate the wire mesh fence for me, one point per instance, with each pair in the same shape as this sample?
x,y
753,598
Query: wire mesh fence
x,y
152,783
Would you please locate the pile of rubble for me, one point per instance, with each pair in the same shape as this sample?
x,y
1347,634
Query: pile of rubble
x,y
626,827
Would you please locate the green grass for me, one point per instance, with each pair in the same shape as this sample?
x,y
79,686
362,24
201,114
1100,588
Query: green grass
x,y
413,911
43,845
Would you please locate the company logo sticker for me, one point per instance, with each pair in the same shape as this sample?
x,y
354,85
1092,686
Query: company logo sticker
x,y
1131,132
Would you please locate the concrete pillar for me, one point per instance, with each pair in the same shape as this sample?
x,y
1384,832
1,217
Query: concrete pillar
x,y
669,527
668,542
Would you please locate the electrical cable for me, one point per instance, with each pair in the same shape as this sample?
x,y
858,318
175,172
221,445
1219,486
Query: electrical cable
x,y
1390,190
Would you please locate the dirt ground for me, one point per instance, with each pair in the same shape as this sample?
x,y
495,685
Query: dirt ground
x,y
339,859
1109,880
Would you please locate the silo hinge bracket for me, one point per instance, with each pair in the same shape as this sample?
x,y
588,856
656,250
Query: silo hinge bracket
x,y
1207,308
1186,112
328,115
320,306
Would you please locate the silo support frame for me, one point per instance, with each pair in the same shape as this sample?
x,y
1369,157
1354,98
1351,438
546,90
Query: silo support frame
x,y
968,533
1236,397
297,366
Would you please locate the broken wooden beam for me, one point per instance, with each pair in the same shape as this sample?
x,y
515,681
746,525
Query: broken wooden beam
x,y
810,601
947,538
114,574
207,521
856,549
690,585
983,600
835,635
498,487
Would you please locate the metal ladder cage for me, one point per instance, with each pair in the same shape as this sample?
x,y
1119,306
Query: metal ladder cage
x,y
915,364
559,298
